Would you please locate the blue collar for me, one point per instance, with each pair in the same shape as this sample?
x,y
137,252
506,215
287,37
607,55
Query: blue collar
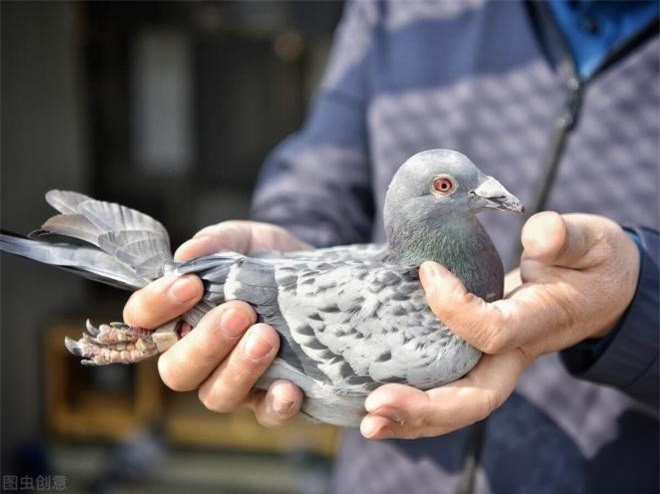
x,y
593,28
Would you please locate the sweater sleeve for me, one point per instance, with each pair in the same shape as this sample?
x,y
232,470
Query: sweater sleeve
x,y
317,183
629,359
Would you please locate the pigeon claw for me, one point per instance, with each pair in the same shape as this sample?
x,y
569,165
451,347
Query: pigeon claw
x,y
119,343
73,347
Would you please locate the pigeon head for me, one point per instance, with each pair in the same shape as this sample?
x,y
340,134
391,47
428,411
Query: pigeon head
x,y
440,189
445,182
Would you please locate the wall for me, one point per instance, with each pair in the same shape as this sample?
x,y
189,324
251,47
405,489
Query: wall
x,y
42,148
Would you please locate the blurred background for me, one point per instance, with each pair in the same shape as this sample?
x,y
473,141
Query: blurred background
x,y
170,108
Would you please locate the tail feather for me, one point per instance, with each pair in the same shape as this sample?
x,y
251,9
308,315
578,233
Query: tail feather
x,y
127,248
65,201
144,250
71,225
88,262
111,217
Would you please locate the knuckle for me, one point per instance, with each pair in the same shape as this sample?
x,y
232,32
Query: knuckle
x,y
210,322
525,356
214,399
568,316
491,402
212,230
208,402
494,342
240,306
411,433
231,235
239,375
422,422
457,293
449,305
496,336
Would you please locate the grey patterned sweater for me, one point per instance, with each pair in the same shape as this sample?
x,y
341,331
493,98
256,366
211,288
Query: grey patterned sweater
x,y
478,77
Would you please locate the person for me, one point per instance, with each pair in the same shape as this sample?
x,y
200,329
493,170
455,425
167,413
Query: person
x,y
560,102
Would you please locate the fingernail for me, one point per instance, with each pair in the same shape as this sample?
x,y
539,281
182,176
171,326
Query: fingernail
x,y
183,290
257,347
234,322
282,406
375,401
370,428
429,270
193,248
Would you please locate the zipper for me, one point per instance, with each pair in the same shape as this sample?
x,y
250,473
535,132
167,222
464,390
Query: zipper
x,y
564,124
574,89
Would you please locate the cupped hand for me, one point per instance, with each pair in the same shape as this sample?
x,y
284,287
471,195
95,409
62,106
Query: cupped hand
x,y
578,274
227,352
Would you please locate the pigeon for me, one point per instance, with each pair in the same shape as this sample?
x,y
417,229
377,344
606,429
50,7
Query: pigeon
x,y
350,318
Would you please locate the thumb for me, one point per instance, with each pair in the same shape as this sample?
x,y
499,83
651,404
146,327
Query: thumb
x,y
557,240
228,235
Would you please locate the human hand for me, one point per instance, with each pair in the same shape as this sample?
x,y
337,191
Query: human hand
x,y
579,273
227,352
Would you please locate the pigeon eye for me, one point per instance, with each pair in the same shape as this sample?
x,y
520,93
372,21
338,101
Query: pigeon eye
x,y
443,185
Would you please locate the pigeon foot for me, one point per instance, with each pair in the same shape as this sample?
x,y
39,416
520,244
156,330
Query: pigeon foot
x,y
119,343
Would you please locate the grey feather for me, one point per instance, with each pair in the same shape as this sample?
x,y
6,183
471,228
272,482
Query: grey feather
x,y
72,225
145,250
88,262
113,217
350,317
65,201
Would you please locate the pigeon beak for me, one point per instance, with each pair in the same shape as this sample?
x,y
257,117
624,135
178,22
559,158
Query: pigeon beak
x,y
492,194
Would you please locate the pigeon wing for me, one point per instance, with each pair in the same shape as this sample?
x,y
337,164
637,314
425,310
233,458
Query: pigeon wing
x,y
365,324
349,325
344,253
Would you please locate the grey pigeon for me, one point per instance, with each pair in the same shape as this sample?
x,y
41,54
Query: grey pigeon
x,y
350,318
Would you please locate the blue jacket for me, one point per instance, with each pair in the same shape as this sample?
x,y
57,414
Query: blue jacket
x,y
489,79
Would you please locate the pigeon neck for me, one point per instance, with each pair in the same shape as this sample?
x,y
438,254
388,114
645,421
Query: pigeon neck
x,y
460,244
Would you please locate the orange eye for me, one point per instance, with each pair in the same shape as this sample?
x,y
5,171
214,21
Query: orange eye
x,y
443,185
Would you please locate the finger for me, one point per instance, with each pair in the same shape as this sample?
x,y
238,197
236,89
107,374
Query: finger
x,y
230,383
400,411
512,281
557,240
278,406
163,300
489,327
191,360
502,325
228,235
533,316
239,236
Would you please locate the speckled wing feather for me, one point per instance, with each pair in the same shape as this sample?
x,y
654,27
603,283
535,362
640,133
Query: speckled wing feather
x,y
134,241
354,252
366,324
350,325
